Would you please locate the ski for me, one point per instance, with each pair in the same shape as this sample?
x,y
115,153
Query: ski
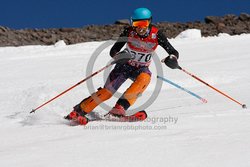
x,y
137,117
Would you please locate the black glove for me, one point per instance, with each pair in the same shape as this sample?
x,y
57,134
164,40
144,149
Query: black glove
x,y
171,62
122,57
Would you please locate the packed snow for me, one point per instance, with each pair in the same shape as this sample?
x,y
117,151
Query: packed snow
x,y
180,131
189,34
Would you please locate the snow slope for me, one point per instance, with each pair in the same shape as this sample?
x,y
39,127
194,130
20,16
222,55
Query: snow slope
x,y
180,132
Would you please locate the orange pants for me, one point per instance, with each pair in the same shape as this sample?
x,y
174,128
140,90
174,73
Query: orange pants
x,y
128,98
135,90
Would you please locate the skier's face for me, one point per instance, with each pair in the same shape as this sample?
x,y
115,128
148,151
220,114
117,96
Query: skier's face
x,y
141,26
141,31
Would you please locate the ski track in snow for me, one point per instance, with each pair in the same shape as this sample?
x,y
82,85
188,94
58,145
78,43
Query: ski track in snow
x,y
194,134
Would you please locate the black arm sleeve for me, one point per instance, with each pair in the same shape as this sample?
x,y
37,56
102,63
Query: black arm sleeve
x,y
163,42
120,42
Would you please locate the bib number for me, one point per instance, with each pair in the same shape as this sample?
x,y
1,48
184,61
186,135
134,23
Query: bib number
x,y
141,57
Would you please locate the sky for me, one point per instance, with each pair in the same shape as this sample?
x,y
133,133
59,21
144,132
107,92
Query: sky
x,y
20,14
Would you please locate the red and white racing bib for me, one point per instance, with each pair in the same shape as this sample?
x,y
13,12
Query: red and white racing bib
x,y
142,49
139,58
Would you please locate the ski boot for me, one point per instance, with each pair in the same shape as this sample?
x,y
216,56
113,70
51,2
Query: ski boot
x,y
117,111
77,115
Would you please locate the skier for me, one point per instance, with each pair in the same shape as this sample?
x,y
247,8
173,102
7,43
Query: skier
x,y
141,39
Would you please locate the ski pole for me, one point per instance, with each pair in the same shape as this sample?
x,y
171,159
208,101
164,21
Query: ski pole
x,y
195,77
178,86
107,66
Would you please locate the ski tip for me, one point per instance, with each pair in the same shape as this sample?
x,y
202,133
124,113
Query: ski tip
x,y
244,106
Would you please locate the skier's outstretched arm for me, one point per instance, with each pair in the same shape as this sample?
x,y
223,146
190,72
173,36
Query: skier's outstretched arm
x,y
163,42
171,60
120,42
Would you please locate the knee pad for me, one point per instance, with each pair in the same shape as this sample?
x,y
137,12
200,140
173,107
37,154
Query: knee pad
x,y
137,88
95,99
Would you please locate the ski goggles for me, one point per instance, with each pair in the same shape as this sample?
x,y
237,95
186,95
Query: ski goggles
x,y
141,23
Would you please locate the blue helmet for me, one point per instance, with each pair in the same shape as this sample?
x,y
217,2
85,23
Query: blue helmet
x,y
141,14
